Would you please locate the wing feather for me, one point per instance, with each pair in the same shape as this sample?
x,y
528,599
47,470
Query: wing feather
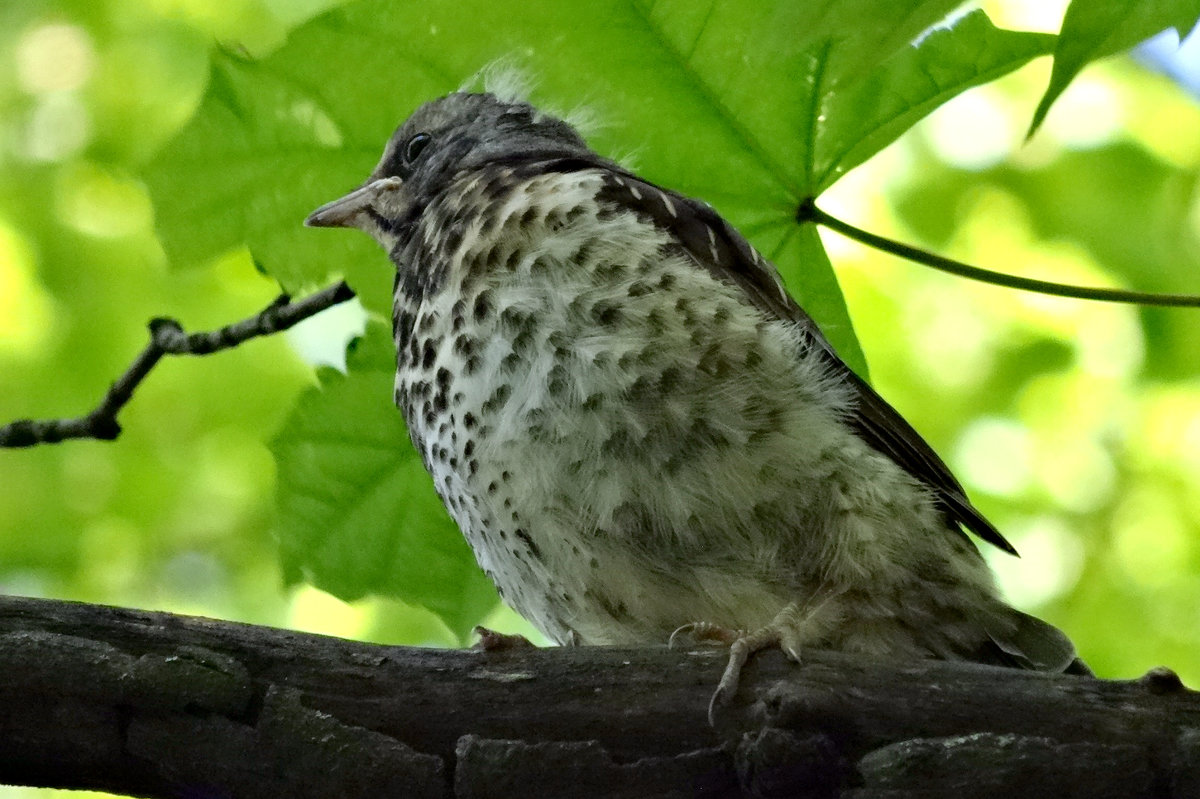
x,y
717,246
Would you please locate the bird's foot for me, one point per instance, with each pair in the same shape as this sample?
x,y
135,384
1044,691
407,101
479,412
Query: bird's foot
x,y
785,631
740,650
492,641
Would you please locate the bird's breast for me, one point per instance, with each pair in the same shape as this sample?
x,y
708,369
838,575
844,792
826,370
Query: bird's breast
x,y
583,394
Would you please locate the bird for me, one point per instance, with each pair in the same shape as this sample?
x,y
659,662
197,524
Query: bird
x,y
639,431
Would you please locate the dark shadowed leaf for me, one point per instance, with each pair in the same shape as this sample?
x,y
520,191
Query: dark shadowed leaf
x,y
357,512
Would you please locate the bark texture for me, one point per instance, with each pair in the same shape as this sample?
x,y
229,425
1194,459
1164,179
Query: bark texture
x,y
153,704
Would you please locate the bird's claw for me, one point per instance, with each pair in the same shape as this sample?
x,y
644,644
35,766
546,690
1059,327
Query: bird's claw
x,y
705,631
685,629
719,697
739,651
492,641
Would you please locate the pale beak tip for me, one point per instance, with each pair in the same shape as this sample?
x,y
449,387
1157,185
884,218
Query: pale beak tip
x,y
322,218
349,211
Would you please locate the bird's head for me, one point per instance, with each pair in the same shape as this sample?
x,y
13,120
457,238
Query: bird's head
x,y
443,137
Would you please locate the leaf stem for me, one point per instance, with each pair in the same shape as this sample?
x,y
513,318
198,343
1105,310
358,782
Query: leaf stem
x,y
809,212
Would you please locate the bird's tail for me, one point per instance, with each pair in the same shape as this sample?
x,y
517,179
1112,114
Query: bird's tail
x,y
1025,642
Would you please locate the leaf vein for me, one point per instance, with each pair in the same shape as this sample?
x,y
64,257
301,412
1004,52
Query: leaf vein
x,y
722,111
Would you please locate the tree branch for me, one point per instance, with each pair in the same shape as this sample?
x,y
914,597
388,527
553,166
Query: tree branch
x,y
158,705
167,337
809,212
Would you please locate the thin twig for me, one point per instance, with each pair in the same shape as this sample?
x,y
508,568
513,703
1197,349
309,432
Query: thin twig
x,y
809,212
167,337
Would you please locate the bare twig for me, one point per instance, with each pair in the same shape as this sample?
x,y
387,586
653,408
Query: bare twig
x,y
167,337
809,212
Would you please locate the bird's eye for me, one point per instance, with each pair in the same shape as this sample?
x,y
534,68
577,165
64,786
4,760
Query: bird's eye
x,y
413,147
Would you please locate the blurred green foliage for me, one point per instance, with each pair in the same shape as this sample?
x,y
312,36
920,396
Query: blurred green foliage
x,y
1076,426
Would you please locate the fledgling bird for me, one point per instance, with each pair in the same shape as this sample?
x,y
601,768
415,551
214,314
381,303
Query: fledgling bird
x,y
638,430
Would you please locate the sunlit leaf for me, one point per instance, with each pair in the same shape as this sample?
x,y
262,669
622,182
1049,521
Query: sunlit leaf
x,y
1093,29
866,117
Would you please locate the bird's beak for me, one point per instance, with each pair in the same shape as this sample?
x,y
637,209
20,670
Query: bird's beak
x,y
351,210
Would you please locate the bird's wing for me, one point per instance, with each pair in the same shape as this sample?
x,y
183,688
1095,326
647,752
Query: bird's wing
x,y
716,246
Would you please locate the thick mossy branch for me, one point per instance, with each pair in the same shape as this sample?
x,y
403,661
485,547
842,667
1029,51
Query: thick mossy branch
x,y
153,704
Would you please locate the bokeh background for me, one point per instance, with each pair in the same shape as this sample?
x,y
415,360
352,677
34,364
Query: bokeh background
x,y
1075,425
